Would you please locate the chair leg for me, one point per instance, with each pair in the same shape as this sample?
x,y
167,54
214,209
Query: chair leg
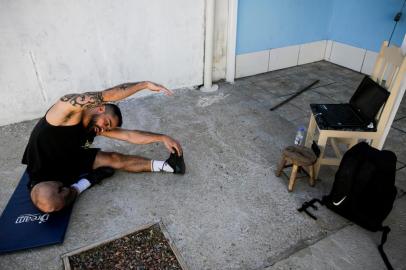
x,y
311,173
292,178
322,144
378,141
334,144
353,142
311,130
281,165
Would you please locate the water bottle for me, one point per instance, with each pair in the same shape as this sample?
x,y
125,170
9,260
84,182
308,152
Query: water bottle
x,y
299,136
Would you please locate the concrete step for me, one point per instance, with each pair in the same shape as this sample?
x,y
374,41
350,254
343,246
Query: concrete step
x,y
353,247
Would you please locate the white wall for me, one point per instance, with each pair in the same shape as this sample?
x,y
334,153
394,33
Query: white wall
x,y
50,48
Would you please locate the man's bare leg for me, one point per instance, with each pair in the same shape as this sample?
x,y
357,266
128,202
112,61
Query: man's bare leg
x,y
123,162
131,163
51,196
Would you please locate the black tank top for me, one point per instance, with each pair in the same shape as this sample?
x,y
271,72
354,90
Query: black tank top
x,y
51,149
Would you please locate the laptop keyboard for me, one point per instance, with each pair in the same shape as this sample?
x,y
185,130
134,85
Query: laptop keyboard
x,y
336,116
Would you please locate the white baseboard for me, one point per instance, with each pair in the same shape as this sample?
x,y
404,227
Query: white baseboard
x,y
283,57
345,55
327,52
369,62
312,52
251,63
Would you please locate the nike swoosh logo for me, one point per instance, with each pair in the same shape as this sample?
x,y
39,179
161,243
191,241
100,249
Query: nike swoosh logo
x,y
338,203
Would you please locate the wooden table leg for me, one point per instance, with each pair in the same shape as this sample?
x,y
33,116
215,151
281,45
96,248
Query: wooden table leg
x,y
322,142
311,130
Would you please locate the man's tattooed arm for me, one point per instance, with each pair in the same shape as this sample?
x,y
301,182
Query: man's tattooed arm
x,y
119,92
124,86
85,100
124,90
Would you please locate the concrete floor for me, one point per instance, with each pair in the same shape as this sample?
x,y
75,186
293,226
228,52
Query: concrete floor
x,y
228,211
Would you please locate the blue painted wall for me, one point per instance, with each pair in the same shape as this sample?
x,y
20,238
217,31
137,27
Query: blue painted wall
x,y
366,23
266,24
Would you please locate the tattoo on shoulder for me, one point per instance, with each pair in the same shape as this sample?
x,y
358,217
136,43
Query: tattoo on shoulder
x,y
89,99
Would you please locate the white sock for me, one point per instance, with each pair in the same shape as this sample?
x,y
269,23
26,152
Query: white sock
x,y
81,185
160,166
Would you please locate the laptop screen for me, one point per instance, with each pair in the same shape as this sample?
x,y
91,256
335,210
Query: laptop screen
x,y
369,98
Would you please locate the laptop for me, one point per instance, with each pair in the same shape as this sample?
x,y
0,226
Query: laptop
x,y
359,114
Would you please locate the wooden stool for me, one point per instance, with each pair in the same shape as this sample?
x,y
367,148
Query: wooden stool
x,y
299,157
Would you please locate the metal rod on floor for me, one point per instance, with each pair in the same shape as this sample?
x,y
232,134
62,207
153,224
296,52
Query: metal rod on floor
x,y
294,95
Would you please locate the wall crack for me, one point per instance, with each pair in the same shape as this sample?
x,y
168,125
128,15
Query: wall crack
x,y
39,80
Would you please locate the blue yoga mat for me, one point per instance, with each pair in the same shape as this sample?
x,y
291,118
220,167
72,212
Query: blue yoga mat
x,y
23,226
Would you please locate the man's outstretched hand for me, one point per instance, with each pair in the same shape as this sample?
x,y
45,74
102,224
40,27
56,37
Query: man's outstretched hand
x,y
158,88
172,145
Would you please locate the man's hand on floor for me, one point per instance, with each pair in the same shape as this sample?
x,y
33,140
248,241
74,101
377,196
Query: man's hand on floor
x,y
172,144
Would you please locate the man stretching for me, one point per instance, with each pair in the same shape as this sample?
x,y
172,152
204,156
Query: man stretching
x,y
59,161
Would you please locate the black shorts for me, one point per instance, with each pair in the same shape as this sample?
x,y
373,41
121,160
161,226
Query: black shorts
x,y
66,172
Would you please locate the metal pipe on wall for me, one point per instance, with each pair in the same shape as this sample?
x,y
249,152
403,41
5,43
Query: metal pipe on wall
x,y
231,39
208,49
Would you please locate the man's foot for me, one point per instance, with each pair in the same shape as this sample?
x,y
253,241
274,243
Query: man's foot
x,y
177,163
95,176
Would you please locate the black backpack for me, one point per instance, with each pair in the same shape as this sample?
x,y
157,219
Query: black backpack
x,y
364,190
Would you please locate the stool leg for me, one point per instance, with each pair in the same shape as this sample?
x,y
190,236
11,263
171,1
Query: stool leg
x,y
311,172
292,178
281,165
